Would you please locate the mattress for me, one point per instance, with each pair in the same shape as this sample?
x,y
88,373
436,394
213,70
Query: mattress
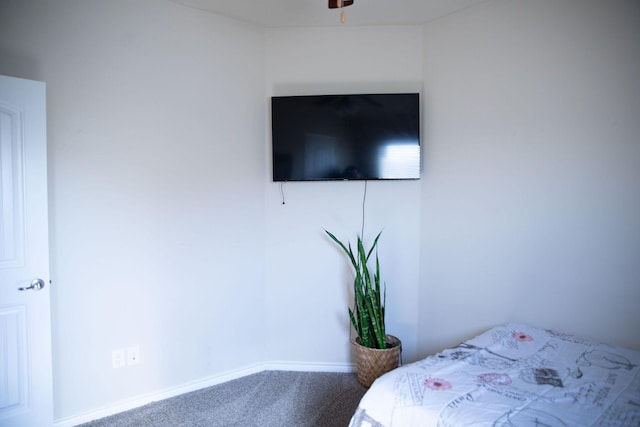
x,y
511,375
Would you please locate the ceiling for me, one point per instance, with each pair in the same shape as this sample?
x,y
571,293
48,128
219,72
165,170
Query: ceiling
x,y
315,13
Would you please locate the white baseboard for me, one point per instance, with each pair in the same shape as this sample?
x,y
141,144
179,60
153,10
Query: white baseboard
x,y
310,367
142,400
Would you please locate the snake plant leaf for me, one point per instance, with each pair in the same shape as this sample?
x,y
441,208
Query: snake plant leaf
x,y
368,313
348,251
374,245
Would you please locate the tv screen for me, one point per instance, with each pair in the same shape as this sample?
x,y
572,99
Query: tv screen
x,y
346,137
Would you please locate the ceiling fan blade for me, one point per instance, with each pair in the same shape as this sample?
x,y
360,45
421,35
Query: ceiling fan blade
x,y
334,4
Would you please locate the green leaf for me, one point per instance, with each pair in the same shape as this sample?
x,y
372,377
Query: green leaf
x,y
368,313
349,252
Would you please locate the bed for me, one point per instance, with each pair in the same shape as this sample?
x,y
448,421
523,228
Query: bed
x,y
511,375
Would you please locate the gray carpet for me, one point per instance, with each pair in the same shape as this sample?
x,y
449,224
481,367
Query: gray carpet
x,y
269,398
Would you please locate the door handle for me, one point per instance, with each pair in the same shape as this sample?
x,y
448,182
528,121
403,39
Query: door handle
x,y
36,285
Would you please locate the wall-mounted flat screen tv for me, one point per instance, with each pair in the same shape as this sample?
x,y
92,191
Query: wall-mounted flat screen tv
x,y
346,137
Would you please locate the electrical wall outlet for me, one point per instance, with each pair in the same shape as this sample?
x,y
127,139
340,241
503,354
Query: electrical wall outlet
x,y
117,358
133,355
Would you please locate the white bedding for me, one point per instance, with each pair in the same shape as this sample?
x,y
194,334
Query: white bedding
x,y
511,375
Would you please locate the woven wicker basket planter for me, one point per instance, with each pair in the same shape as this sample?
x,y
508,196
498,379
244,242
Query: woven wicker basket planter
x,y
374,362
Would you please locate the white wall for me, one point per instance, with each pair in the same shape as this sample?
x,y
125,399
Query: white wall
x,y
156,158
167,231
307,278
531,191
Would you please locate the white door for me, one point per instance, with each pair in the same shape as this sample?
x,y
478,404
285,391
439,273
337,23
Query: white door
x,y
26,392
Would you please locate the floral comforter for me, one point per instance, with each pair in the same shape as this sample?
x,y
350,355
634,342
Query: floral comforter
x,y
511,375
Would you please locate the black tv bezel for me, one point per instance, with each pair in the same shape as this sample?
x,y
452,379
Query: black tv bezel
x,y
329,179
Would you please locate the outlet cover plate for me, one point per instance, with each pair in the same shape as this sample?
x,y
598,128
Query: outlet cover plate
x,y
117,358
133,355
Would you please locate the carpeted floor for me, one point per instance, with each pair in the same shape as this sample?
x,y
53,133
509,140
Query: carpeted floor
x,y
269,398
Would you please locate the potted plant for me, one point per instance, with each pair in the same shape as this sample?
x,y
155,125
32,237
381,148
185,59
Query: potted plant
x,y
376,351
